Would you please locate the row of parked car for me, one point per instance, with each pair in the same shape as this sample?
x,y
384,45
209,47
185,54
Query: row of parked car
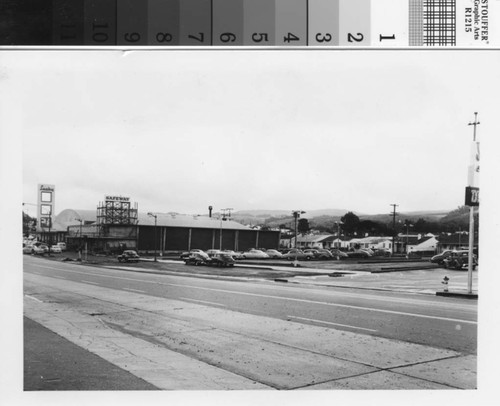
x,y
454,259
292,254
40,248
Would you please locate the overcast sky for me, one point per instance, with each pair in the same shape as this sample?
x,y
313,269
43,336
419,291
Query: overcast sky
x,y
179,131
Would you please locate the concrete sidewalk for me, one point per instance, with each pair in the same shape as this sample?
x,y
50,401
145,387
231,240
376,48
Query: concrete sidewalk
x,y
53,363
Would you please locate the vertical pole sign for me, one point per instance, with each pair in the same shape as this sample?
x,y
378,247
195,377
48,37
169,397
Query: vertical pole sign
x,y
472,198
46,206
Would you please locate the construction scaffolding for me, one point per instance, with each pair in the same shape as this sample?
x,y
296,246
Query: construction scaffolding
x,y
117,212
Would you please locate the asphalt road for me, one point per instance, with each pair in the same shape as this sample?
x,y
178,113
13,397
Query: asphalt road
x,y
445,323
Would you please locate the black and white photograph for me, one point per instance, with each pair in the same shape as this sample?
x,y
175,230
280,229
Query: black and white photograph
x,y
239,225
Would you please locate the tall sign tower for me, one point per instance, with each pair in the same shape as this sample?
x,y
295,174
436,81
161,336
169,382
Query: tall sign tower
x,y
45,207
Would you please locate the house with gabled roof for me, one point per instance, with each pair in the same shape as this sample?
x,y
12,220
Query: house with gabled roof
x,y
311,241
422,244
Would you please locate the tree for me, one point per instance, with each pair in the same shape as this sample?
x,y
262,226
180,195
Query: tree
x,y
421,225
322,228
29,224
371,227
303,226
351,223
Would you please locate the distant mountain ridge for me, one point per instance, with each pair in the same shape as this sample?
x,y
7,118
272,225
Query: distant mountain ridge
x,y
288,213
274,218
335,213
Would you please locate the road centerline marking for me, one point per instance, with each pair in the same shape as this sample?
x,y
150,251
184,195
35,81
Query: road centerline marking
x,y
324,303
202,301
92,283
329,322
135,290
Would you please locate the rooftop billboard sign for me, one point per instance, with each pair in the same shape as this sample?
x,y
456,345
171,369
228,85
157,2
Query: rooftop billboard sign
x,y
110,198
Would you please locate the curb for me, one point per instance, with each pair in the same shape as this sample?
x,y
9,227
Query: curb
x,y
464,295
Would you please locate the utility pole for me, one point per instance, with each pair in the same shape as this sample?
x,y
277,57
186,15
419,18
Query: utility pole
x,y
471,182
393,214
475,124
296,214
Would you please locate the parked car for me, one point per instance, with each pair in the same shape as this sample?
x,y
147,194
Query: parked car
x,y
62,245
459,259
193,251
320,253
326,254
254,254
274,253
26,249
313,252
295,253
221,260
439,258
39,248
359,254
338,253
212,252
197,258
234,254
56,249
128,256
382,252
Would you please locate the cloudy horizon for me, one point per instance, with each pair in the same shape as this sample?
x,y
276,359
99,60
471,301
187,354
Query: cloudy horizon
x,y
179,131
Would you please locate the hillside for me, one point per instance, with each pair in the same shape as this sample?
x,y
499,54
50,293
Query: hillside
x,y
287,213
422,221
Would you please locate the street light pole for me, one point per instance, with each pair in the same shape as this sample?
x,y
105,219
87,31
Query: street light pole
x,y
407,224
80,247
406,238
155,217
296,214
220,233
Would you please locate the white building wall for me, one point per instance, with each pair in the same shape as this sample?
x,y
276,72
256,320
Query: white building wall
x,y
428,245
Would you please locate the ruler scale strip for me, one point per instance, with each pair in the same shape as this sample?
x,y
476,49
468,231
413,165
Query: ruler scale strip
x,y
251,23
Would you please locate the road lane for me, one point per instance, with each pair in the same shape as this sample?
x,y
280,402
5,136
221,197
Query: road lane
x,y
385,297
429,320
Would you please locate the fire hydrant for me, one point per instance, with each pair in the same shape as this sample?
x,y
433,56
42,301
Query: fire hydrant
x,y
445,283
